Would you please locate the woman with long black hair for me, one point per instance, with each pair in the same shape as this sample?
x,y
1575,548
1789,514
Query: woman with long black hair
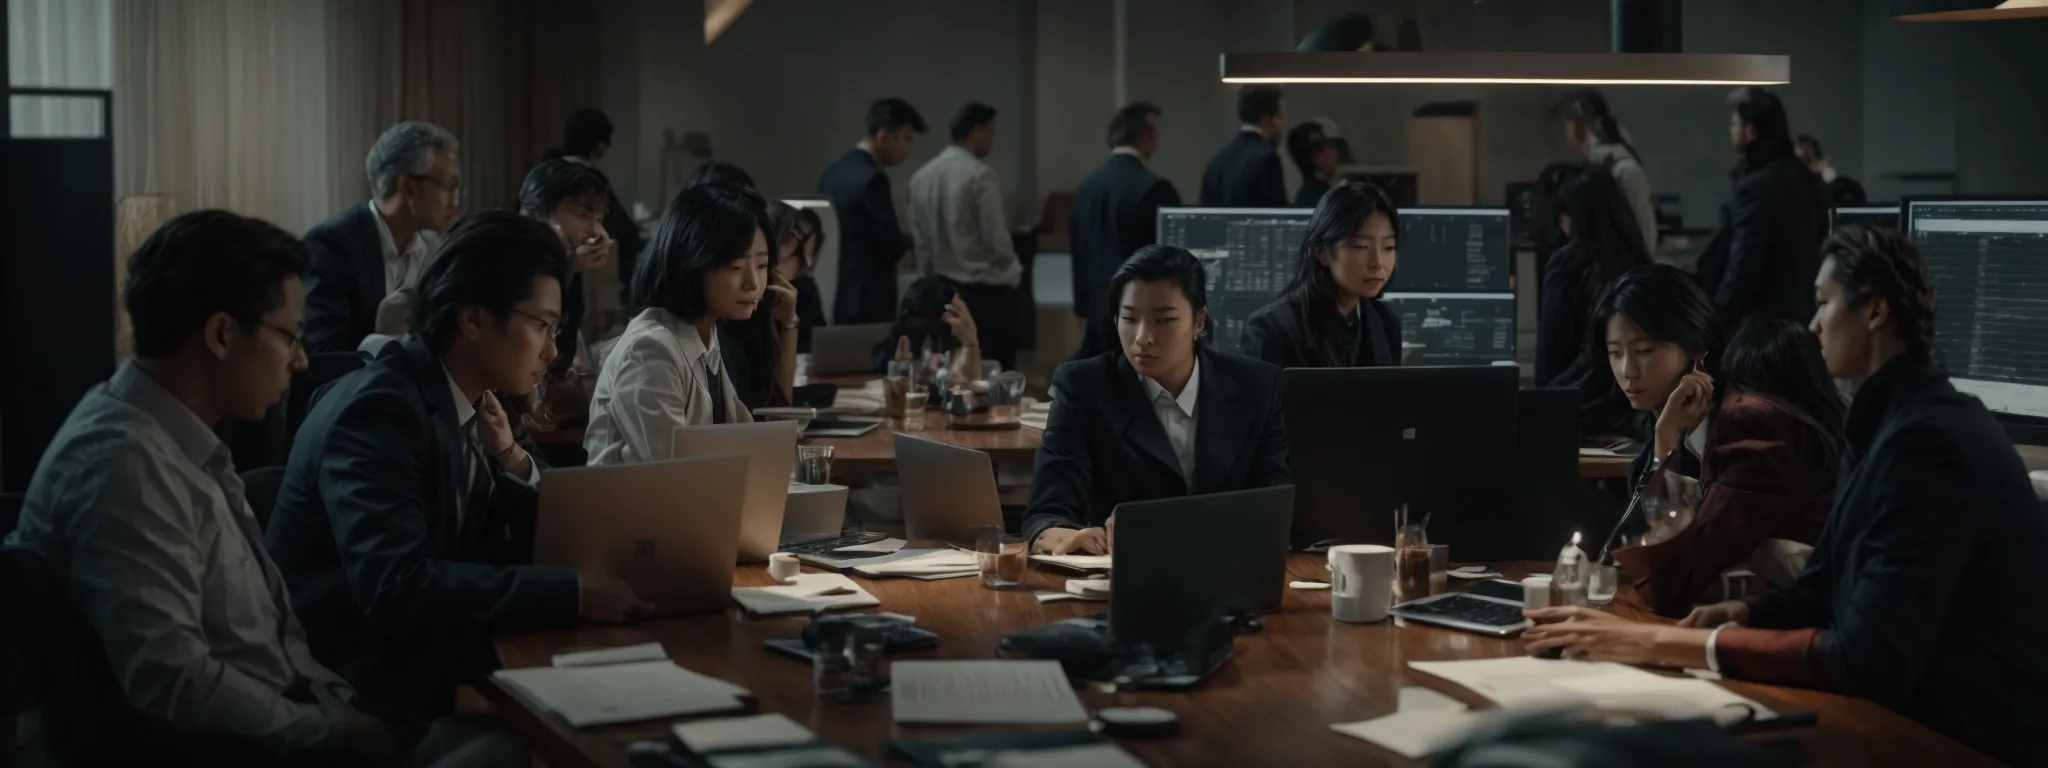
x,y
1602,245
1590,126
1921,593
1330,315
711,264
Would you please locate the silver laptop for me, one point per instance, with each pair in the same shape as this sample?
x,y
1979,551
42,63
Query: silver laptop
x,y
814,513
770,447
839,350
947,490
667,528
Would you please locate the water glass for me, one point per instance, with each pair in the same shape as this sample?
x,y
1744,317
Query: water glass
x,y
814,464
1012,384
1411,563
901,380
852,661
913,410
1601,582
1001,558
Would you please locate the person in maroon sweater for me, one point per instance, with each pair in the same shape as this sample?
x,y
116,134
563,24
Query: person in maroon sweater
x,y
1767,473
1922,593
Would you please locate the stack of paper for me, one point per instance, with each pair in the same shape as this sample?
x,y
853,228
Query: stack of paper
x,y
771,730
983,692
1035,414
809,593
1082,563
934,564
622,693
1525,682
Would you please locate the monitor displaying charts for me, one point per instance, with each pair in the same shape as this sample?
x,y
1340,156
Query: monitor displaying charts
x,y
1453,285
1988,262
1878,215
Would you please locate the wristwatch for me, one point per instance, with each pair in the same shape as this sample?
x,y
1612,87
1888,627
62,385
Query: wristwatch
x,y
791,325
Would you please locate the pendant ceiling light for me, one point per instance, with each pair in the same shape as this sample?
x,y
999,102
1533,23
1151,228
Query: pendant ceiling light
x,y
1968,10
1644,44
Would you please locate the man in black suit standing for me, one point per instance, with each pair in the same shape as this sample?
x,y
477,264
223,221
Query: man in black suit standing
x,y
871,241
404,524
375,249
586,138
1116,212
1245,173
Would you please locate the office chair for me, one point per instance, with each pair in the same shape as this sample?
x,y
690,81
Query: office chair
x,y
321,369
260,487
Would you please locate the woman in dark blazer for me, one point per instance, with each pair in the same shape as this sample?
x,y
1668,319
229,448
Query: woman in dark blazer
x,y
1922,592
1604,243
1330,315
1162,417
810,302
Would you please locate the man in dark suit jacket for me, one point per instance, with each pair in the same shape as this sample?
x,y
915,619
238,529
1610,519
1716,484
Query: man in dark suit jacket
x,y
587,138
1116,212
570,197
1108,440
376,248
1245,173
1762,262
404,525
871,238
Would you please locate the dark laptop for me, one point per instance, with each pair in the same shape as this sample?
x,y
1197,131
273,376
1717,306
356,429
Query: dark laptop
x,y
1364,441
1182,560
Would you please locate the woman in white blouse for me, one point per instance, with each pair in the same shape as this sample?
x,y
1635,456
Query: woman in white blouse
x,y
710,263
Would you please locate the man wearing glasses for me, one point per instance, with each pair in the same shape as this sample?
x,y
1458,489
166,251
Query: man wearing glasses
x,y
405,520
375,249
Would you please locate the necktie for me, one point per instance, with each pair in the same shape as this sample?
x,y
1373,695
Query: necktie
x,y
716,383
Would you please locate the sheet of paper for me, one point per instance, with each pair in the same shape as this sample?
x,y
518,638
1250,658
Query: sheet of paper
x,y
810,592
1525,681
1104,755
769,730
1049,596
983,692
884,546
1076,562
621,655
1675,697
622,693
1414,735
1415,698
934,561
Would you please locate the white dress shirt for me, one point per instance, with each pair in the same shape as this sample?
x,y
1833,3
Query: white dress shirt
x,y
957,222
1127,149
656,380
138,505
1177,415
402,269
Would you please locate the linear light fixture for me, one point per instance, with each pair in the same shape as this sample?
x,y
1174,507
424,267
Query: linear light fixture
x,y
1968,10
1586,68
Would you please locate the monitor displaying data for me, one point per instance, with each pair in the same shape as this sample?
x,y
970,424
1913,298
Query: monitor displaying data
x,y
1886,216
1988,262
1452,286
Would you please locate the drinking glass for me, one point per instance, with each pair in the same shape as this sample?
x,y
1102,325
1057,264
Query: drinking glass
x,y
852,662
814,464
1000,557
897,385
913,410
1601,582
1411,563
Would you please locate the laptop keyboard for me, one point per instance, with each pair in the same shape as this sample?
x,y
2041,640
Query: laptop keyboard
x,y
1467,609
848,539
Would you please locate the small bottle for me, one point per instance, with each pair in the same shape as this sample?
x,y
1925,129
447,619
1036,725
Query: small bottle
x,y
1568,582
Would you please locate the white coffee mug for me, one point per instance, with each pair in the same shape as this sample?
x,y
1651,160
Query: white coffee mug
x,y
783,567
1361,582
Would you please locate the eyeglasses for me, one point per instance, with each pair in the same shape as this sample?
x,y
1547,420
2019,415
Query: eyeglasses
x,y
291,339
453,187
547,328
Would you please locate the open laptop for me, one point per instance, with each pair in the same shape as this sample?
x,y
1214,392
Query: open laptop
x,y
667,528
770,447
947,490
840,350
1185,558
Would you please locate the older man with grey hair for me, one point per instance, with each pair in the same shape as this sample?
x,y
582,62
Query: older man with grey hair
x,y
375,249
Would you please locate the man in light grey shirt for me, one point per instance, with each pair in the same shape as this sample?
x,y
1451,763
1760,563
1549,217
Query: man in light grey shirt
x,y
136,502
960,232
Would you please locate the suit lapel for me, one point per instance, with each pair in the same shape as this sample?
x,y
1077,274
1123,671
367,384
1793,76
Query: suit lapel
x,y
1140,426
445,444
1222,425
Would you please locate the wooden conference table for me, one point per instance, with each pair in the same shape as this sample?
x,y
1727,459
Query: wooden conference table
x,y
1271,705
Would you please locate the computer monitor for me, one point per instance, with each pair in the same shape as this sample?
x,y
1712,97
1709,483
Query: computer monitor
x,y
1873,215
1988,261
1454,279
1399,182
1364,441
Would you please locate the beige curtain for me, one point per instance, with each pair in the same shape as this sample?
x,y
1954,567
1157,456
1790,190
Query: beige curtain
x,y
264,107
502,75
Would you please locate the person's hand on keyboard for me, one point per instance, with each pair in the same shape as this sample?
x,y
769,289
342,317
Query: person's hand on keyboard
x,y
1584,633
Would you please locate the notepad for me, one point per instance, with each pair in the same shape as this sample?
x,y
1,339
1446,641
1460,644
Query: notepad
x,y
983,692
1524,681
810,592
622,693
769,730
1417,734
1672,697
938,561
1082,563
626,654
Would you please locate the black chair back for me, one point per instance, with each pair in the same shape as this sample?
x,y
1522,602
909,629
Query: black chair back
x,y
320,369
55,664
260,487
